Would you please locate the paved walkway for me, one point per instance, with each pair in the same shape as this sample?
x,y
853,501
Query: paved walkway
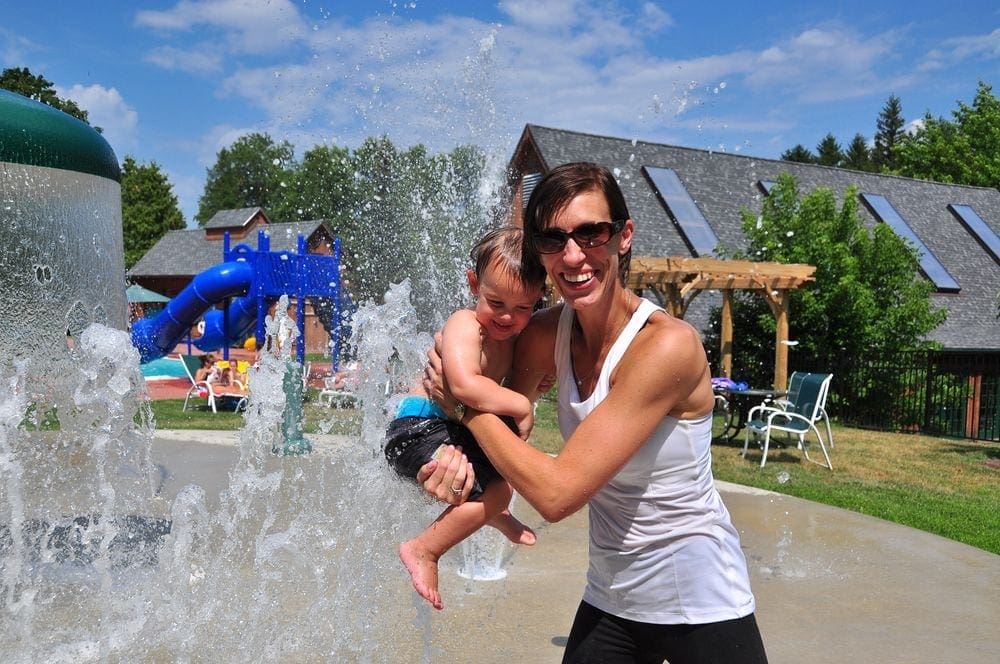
x,y
831,585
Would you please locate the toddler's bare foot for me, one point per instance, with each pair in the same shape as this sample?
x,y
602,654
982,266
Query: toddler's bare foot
x,y
514,530
423,569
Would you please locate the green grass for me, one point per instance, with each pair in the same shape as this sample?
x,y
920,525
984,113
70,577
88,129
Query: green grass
x,y
939,485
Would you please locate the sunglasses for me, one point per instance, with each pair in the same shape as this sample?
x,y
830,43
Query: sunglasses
x,y
587,236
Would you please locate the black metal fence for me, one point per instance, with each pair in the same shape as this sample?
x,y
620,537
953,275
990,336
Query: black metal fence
x,y
945,392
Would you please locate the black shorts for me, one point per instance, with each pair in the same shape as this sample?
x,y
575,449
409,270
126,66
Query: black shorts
x,y
410,442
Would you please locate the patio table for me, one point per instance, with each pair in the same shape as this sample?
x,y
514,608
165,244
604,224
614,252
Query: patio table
x,y
737,406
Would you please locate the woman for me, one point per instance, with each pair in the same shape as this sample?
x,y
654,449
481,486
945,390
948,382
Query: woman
x,y
667,578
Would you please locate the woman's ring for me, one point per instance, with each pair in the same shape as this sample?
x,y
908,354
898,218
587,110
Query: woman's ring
x,y
456,491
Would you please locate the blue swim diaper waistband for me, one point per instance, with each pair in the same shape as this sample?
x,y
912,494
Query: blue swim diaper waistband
x,y
419,407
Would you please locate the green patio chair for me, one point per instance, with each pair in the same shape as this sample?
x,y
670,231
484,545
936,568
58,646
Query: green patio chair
x,y
797,416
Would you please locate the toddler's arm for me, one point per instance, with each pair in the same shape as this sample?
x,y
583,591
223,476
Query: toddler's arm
x,y
461,358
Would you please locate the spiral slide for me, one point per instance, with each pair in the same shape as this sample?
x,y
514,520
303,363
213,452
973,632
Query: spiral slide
x,y
155,337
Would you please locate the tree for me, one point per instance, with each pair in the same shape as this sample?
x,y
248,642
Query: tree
x,y
321,187
23,82
828,152
965,151
149,208
858,157
800,154
252,172
888,134
867,297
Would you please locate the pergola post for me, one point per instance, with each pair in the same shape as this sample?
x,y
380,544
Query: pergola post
x,y
781,343
726,334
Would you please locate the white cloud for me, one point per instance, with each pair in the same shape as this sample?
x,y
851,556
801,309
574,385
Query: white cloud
x,y
822,64
246,27
202,60
654,18
14,48
107,109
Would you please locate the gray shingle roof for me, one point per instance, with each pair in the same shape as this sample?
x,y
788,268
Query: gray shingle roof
x,y
722,184
232,218
188,252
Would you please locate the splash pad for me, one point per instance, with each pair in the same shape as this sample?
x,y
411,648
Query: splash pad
x,y
110,550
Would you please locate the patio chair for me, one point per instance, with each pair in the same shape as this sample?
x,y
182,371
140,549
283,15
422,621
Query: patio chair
x,y
212,392
797,416
794,384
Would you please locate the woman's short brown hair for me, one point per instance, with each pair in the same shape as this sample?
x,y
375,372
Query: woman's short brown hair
x,y
560,186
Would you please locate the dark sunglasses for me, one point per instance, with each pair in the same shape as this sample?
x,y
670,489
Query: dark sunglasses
x,y
587,236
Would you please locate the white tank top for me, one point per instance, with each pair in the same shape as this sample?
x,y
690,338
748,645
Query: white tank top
x,y
663,549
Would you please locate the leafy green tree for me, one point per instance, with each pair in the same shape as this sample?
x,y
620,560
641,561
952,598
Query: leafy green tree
x,y
858,157
149,208
828,152
867,297
321,187
964,151
888,134
252,172
23,82
800,154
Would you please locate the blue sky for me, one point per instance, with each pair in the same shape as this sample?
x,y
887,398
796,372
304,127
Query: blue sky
x,y
175,81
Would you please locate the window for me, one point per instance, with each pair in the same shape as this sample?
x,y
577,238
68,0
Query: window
x,y
973,223
698,235
883,210
766,185
528,184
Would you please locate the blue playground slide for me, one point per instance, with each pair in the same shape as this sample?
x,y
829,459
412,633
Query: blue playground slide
x,y
156,337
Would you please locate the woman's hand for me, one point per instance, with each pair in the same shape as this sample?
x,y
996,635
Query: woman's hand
x,y
449,478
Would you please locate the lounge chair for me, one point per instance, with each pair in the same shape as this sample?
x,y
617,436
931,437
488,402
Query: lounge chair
x,y
212,392
339,389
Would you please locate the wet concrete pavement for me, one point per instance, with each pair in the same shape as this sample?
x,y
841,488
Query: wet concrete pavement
x,y
831,585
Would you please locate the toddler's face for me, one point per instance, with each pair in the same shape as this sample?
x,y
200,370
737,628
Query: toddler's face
x,y
503,305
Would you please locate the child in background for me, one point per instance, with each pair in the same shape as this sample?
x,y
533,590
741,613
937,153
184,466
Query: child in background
x,y
478,350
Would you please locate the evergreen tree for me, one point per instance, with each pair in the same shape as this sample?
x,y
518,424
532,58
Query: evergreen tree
x,y
828,152
149,208
888,134
858,156
253,172
800,154
23,82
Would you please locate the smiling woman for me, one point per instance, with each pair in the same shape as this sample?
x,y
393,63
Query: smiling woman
x,y
667,578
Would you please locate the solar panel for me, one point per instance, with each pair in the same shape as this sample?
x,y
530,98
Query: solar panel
x,y
929,264
766,185
692,224
980,229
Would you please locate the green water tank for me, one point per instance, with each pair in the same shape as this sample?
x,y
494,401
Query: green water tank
x,y
61,265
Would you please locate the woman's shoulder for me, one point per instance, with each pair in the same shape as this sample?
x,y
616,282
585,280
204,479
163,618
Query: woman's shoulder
x,y
667,334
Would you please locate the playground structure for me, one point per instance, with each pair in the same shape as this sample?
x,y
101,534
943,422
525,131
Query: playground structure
x,y
248,280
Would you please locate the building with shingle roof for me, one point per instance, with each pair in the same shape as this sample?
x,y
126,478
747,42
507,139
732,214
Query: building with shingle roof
x,y
686,200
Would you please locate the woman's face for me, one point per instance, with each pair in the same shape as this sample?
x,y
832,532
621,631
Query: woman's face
x,y
585,276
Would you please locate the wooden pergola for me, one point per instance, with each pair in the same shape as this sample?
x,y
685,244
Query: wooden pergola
x,y
678,280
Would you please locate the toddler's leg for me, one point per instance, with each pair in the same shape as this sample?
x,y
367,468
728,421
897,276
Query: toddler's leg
x,y
504,521
420,555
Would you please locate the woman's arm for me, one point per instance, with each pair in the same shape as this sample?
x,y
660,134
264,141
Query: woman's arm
x,y
661,373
